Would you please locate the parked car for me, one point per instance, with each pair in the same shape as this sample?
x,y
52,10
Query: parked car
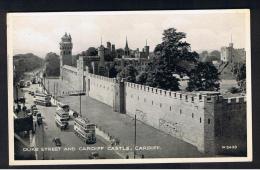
x,y
28,83
21,99
39,118
57,141
94,155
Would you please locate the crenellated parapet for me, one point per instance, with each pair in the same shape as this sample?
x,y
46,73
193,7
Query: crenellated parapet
x,y
235,100
111,80
201,96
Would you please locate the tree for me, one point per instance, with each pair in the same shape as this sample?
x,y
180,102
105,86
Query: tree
x,y
173,49
120,52
129,73
240,72
112,71
204,77
52,61
157,74
92,51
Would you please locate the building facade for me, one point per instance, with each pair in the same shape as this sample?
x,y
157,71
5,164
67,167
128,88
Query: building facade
x,y
231,54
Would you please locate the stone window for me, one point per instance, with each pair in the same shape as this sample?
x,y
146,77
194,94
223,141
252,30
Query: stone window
x,y
170,108
192,115
152,102
200,119
160,104
180,111
208,121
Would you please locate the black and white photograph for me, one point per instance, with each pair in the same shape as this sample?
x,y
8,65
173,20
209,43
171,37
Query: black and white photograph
x,y
129,87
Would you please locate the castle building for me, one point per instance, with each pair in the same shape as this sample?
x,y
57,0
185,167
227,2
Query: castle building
x,y
206,120
231,54
65,51
101,65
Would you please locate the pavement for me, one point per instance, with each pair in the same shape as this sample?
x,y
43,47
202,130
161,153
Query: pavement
x,y
121,126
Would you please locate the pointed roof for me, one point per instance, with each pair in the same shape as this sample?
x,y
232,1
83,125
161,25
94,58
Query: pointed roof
x,y
126,44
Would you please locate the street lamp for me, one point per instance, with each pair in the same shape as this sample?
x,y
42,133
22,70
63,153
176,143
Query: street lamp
x,y
135,138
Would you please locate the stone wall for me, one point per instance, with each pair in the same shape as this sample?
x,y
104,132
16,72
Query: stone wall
x,y
73,77
180,115
203,119
101,88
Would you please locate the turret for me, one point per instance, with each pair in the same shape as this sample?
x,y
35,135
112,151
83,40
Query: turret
x,y
65,51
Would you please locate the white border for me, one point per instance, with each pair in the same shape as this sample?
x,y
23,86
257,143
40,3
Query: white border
x,y
129,161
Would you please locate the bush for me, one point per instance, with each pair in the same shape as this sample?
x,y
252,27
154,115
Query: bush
x,y
234,90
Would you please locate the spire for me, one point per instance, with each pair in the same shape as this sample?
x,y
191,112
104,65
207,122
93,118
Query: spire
x,y
101,40
126,44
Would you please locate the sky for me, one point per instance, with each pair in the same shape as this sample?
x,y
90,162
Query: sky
x,y
40,33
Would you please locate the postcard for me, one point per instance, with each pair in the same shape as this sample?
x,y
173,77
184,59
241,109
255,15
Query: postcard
x,y
124,87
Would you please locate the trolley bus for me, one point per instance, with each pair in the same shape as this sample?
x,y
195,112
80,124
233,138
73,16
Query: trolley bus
x,y
85,130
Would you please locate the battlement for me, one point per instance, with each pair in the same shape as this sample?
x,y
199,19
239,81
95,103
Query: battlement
x,y
112,80
235,100
201,96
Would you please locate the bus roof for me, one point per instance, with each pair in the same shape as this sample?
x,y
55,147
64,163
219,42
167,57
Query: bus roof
x,y
83,121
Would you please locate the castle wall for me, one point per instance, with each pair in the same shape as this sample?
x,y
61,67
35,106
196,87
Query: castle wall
x,y
177,114
73,77
230,118
101,88
205,120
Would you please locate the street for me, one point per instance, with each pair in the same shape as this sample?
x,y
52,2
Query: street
x,y
46,132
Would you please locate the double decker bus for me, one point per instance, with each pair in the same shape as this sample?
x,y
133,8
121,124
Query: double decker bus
x,y
61,119
42,99
85,130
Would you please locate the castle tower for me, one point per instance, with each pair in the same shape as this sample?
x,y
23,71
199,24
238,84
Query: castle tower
x,y
65,51
146,50
127,51
101,65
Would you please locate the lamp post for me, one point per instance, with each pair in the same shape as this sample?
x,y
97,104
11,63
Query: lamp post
x,y
135,138
80,105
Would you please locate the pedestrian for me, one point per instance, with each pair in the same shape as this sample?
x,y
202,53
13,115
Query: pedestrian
x,y
127,157
142,156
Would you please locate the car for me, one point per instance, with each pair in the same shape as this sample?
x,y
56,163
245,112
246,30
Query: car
x,y
94,155
21,99
28,83
57,141
33,106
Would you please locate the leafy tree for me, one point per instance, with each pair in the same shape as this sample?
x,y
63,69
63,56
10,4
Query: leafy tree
x,y
52,61
173,48
141,78
169,54
92,51
128,73
157,74
240,72
204,77
112,71
120,52
215,54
